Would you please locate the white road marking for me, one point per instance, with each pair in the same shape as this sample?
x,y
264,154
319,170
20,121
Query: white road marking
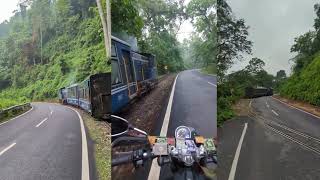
x,y
274,112
237,154
212,84
85,173
297,108
41,122
51,111
154,173
17,116
7,148
267,104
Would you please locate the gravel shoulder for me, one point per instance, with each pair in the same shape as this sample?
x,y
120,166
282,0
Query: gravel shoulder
x,y
99,144
301,105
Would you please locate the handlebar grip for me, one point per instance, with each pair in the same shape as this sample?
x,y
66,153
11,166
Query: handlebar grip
x,y
122,160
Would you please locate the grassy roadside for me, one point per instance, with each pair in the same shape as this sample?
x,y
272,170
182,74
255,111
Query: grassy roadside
x,y
211,69
99,132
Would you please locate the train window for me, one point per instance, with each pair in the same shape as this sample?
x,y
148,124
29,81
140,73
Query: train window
x,y
113,50
128,65
115,75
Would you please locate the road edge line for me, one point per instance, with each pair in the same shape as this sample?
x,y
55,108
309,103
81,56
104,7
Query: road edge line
x,y
237,154
17,116
85,171
296,108
154,172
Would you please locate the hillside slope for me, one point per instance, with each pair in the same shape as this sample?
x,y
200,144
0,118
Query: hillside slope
x,y
305,86
48,46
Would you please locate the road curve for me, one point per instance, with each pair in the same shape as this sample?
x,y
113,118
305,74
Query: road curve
x,y
281,142
45,143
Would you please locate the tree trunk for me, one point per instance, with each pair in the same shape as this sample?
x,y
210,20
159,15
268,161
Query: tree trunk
x,y
108,18
105,25
41,43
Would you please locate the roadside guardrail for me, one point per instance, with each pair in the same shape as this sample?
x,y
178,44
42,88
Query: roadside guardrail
x,y
11,111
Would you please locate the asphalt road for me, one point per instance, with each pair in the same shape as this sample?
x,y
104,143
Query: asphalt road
x,y
45,143
194,103
280,142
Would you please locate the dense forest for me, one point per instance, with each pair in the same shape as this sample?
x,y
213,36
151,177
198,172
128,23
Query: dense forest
x,y
155,25
304,84
233,43
49,44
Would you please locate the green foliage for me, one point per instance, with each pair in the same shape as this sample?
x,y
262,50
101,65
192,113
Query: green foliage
x,y
305,85
232,34
50,47
210,69
234,84
125,17
166,49
201,49
154,24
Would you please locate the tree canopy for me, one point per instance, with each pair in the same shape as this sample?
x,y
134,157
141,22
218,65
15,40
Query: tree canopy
x,y
232,38
49,45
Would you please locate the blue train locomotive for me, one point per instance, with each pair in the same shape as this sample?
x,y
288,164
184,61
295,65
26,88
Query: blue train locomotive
x,y
133,74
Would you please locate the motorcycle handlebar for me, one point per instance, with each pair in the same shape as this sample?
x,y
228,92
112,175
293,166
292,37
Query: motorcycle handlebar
x,y
124,159
133,157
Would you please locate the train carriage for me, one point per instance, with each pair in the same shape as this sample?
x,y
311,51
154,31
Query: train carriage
x,y
92,95
251,92
132,75
72,95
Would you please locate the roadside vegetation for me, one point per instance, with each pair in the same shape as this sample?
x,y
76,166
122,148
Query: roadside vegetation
x,y
231,86
47,45
6,114
304,83
210,69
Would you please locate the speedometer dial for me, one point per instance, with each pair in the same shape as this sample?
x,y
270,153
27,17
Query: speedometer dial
x,y
182,132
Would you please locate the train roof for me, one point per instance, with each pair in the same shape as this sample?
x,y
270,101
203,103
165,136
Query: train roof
x,y
119,40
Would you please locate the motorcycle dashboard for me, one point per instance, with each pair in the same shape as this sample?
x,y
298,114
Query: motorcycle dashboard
x,y
183,132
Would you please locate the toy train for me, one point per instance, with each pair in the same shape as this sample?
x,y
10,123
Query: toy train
x,y
133,74
251,92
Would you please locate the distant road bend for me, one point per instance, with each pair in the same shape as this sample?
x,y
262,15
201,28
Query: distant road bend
x,y
48,142
279,142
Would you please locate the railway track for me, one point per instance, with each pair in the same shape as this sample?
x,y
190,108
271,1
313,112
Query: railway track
x,y
304,140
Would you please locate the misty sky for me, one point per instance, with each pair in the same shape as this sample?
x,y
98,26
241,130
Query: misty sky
x,y
273,26
6,9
